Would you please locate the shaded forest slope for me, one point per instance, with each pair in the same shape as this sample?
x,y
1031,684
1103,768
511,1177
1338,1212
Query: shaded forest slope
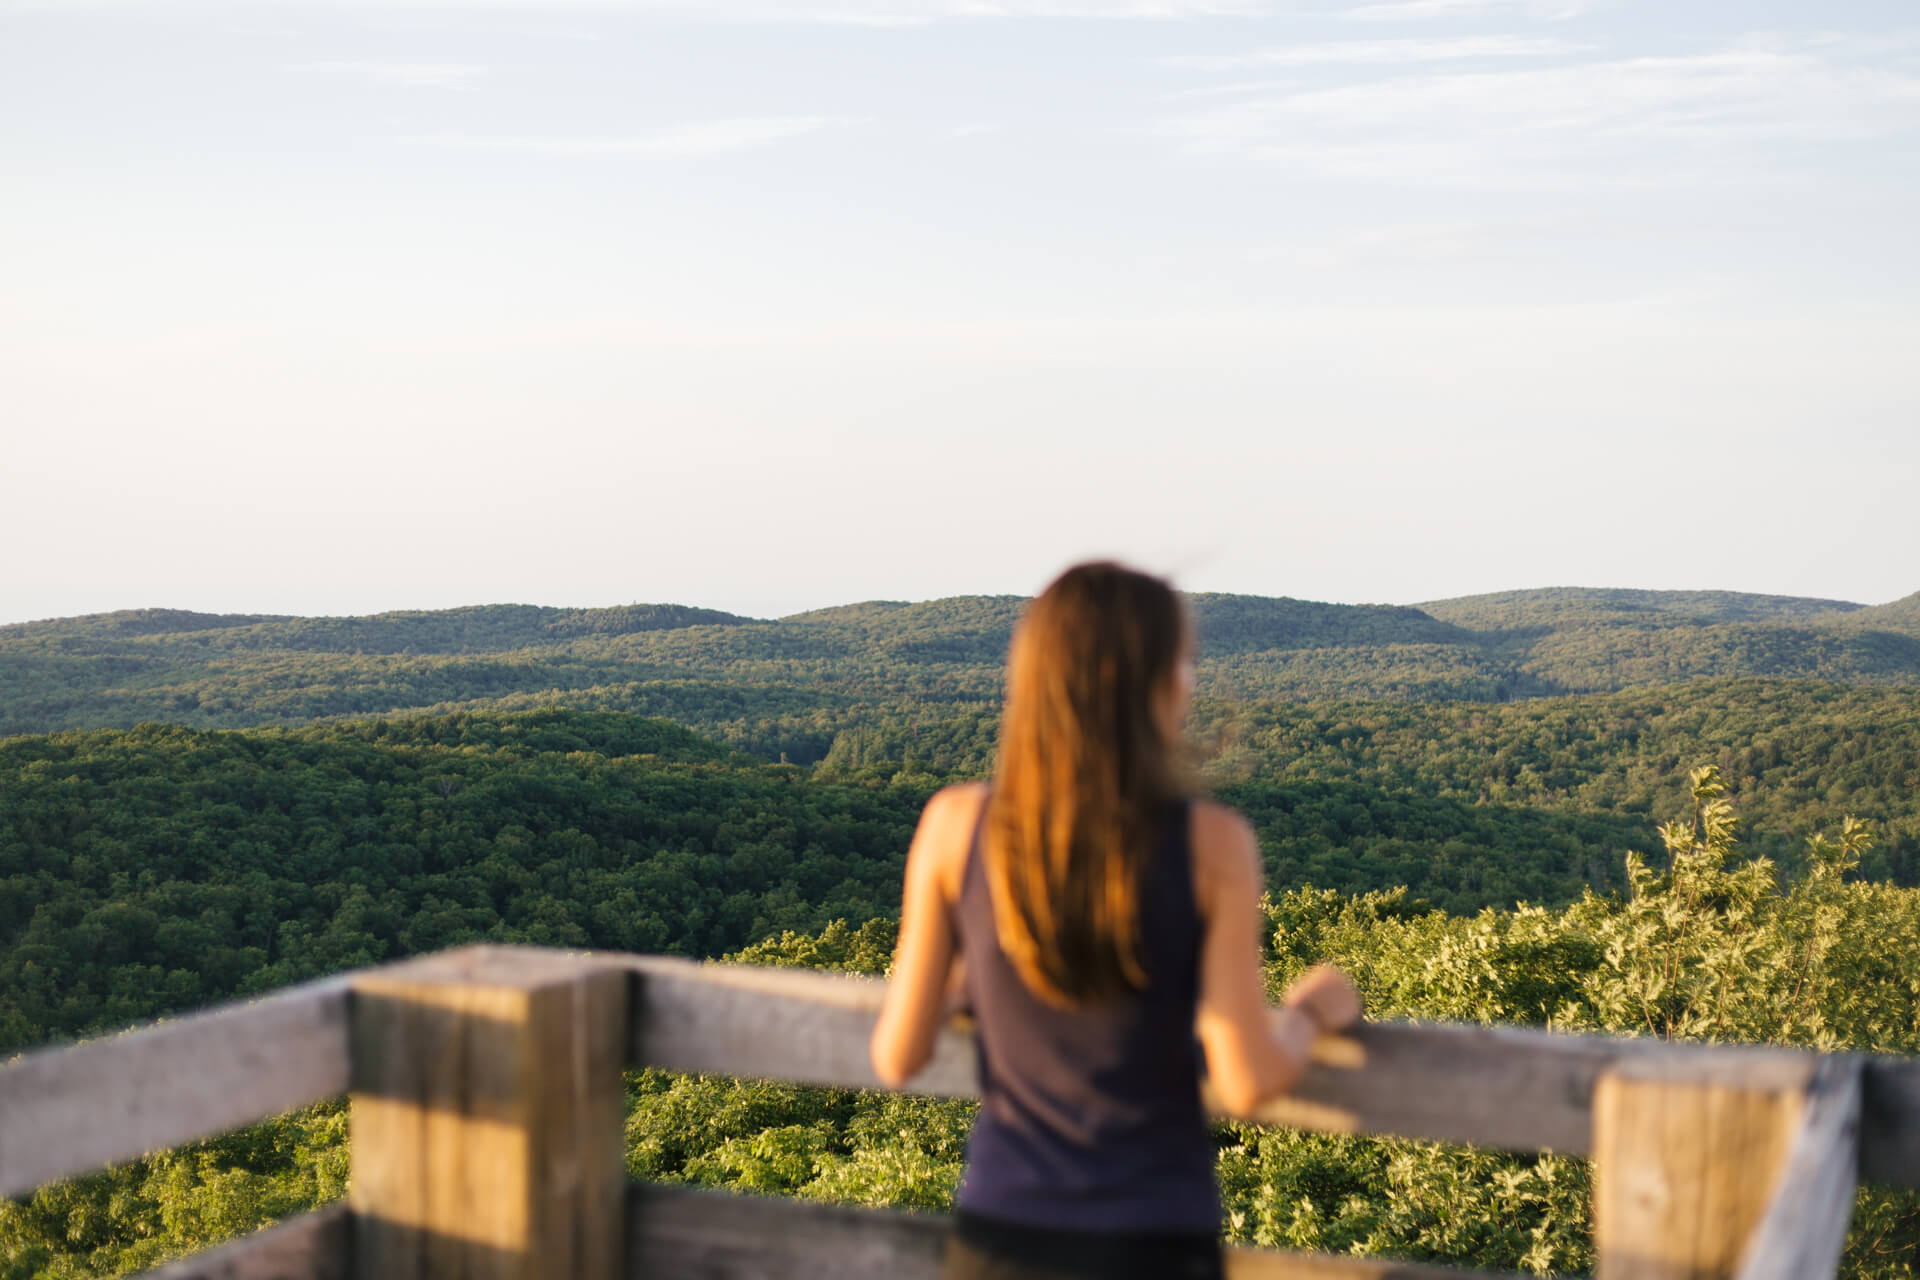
x,y
159,868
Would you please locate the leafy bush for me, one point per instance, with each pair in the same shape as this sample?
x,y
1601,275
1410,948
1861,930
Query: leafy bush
x,y
1702,945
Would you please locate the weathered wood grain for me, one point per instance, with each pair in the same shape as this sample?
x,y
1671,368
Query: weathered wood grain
x,y
71,1110
314,1246
1804,1230
786,1024
1687,1151
1280,1264
487,1117
706,1235
1890,1121
1489,1086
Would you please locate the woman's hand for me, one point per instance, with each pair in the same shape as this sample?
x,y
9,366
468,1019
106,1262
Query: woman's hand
x,y
1319,1001
1254,1051
956,1003
1327,996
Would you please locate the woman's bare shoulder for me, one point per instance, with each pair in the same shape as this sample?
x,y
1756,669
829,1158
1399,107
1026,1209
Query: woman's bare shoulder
x,y
1219,827
959,802
1225,851
946,831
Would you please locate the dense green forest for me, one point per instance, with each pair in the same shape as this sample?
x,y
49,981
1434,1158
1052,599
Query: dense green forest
x,y
160,868
1707,945
148,870
195,807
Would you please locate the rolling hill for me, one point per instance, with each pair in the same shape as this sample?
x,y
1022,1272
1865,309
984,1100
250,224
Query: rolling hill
x,y
789,685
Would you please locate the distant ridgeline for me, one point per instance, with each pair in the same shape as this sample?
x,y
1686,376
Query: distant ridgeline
x,y
790,686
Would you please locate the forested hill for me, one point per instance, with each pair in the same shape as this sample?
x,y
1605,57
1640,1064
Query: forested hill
x,y
159,868
1901,615
617,781
153,869
1555,607
791,684
150,870
477,629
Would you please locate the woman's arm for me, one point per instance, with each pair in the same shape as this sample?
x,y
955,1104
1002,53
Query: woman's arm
x,y
920,994
1253,1052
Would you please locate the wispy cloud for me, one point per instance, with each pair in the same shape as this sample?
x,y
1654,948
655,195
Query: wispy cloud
x,y
1381,52
881,13
921,12
1595,121
1228,89
406,75
707,137
1419,10
1856,44
1407,244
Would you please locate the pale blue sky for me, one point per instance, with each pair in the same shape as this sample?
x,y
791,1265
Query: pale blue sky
x,y
327,308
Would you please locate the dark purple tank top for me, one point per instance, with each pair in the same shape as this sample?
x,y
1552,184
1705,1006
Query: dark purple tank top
x,y
1090,1119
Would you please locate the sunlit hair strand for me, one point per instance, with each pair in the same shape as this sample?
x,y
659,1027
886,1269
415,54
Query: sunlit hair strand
x,y
1084,777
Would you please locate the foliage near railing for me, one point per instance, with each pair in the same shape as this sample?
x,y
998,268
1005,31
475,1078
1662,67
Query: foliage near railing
x,y
506,1062
1709,945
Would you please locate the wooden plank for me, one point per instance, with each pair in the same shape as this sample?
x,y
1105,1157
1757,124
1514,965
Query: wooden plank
x,y
707,1235
487,1117
1686,1155
1490,1086
314,1246
1804,1230
1504,1087
1280,1264
69,1110
777,1024
1890,1121
74,1109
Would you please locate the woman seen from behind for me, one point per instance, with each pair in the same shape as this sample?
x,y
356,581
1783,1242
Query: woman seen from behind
x,y
1102,924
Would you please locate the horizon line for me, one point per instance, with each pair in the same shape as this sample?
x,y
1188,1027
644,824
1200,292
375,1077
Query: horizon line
x,y
258,617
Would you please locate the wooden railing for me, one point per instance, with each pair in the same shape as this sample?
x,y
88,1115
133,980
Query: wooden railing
x,y
487,1124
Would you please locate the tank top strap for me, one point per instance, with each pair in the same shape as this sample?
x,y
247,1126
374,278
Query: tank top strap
x,y
973,866
1174,865
976,844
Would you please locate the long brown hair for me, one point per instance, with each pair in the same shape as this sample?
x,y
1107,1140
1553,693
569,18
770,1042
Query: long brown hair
x,y
1084,776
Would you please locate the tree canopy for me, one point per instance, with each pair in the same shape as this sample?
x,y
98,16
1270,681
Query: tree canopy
x,y
1462,802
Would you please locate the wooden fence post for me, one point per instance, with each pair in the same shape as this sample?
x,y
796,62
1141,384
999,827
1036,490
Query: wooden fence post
x,y
1804,1232
488,1117
1687,1149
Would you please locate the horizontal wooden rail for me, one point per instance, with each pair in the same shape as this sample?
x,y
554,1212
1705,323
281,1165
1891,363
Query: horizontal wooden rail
x,y
313,1246
678,1231
71,1110
1508,1088
711,1235
1890,1121
66,1111
786,1024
